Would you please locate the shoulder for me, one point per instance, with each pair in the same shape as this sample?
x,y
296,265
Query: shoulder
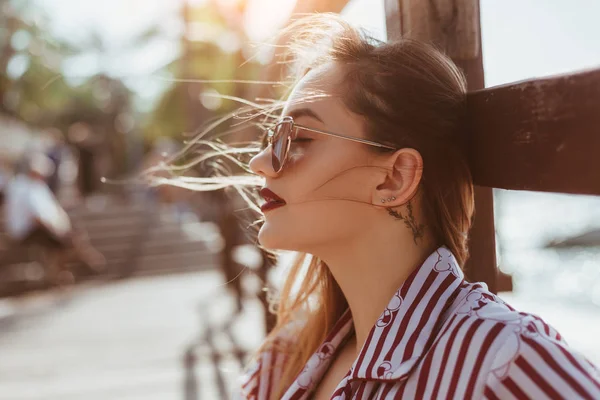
x,y
264,370
518,354
533,360
262,373
476,312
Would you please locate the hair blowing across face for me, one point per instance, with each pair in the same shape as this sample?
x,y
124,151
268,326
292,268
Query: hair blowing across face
x,y
410,95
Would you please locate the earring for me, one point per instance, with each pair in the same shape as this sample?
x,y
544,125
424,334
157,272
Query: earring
x,y
383,200
391,198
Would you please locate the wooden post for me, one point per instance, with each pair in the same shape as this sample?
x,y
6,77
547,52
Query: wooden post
x,y
453,26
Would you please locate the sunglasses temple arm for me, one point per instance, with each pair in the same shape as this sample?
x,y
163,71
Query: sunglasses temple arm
x,y
357,140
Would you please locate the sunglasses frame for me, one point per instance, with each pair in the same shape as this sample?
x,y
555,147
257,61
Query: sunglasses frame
x,y
293,129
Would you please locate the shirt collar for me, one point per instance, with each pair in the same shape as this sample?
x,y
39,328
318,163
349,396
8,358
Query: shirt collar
x,y
403,332
410,322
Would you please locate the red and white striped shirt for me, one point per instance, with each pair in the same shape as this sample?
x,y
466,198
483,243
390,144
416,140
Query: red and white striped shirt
x,y
441,337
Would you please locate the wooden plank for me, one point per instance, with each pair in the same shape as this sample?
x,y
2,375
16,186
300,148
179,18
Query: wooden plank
x,y
393,19
541,135
453,25
482,265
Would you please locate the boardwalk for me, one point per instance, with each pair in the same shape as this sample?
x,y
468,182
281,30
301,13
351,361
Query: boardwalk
x,y
117,341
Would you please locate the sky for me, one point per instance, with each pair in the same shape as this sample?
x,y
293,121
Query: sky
x,y
521,38
118,21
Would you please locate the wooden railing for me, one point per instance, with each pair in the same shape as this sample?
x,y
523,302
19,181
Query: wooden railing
x,y
541,135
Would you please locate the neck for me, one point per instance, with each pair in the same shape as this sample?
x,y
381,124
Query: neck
x,y
370,270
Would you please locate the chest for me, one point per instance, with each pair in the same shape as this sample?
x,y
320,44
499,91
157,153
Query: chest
x,y
334,375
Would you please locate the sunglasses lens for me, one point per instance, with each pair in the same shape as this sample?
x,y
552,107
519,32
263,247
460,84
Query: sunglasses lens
x,y
281,139
264,140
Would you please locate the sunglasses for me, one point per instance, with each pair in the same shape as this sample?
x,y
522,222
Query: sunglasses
x,y
281,135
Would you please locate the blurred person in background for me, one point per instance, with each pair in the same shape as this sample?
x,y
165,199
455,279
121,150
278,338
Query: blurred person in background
x,y
5,177
34,217
55,152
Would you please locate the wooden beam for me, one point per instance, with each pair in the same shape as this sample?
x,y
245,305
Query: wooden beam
x,y
393,19
453,26
541,135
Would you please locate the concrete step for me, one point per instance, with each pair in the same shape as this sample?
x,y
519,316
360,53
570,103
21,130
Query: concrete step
x,y
119,250
110,223
109,211
146,265
124,236
167,263
149,249
180,269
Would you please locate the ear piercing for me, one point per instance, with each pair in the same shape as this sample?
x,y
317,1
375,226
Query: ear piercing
x,y
388,200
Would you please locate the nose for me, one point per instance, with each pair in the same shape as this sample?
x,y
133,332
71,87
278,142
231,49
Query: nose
x,y
262,165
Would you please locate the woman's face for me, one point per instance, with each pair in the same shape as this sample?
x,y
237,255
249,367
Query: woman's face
x,y
327,183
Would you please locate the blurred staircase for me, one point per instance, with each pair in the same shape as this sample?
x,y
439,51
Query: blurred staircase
x,y
137,239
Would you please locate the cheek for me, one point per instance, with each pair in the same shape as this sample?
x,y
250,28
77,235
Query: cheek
x,y
326,196
310,167
299,160
297,151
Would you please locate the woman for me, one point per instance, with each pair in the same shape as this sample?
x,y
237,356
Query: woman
x,y
365,177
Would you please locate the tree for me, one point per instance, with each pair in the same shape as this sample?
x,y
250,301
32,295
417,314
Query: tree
x,y
32,87
211,49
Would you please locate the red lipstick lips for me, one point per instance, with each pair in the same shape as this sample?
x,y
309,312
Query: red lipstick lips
x,y
272,200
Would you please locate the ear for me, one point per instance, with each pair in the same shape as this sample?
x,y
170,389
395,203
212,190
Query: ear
x,y
405,170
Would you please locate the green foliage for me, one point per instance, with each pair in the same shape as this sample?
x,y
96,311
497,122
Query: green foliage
x,y
44,96
168,118
41,92
203,59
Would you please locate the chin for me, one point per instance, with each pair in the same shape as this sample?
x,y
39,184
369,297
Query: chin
x,y
269,238
272,238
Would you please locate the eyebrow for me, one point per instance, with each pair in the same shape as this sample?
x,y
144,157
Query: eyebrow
x,y
304,112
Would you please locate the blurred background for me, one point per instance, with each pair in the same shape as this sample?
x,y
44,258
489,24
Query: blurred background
x,y
159,295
